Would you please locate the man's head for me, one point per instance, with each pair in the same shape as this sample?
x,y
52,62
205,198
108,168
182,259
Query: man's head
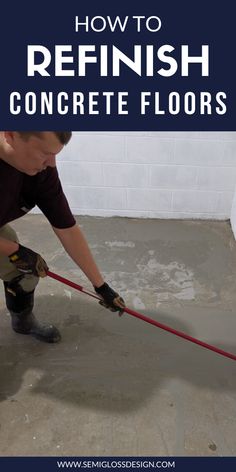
x,y
33,151
63,136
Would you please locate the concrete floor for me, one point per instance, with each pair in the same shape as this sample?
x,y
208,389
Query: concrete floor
x,y
118,386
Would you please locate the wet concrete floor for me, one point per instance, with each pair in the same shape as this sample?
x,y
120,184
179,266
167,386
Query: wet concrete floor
x,y
118,386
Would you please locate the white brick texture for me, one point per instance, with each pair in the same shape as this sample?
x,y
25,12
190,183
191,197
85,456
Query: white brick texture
x,y
151,174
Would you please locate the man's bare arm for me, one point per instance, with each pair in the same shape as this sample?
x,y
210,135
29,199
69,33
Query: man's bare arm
x,y
8,247
77,247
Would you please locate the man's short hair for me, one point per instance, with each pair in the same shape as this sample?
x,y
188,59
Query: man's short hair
x,y
63,136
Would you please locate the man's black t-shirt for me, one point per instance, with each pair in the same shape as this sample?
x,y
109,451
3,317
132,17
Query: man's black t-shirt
x,y
19,193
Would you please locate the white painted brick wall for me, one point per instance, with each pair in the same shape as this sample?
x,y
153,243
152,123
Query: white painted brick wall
x,y
147,174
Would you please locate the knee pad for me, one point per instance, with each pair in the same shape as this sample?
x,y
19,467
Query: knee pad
x,y
17,299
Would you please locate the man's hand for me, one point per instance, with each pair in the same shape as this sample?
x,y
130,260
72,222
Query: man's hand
x,y
110,298
29,262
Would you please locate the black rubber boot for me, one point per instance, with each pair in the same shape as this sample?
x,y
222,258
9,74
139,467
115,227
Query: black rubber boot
x,y
20,305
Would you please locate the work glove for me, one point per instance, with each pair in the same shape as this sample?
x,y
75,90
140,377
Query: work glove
x,y
29,262
110,298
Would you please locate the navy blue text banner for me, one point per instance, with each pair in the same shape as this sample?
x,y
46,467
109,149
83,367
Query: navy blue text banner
x,y
99,66
99,464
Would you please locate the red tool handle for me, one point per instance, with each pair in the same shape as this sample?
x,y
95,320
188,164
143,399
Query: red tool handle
x,y
146,318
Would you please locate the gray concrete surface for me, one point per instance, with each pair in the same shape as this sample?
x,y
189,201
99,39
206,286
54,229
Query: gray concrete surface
x,y
118,386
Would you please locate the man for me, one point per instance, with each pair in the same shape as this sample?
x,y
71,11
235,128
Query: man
x,y
28,177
